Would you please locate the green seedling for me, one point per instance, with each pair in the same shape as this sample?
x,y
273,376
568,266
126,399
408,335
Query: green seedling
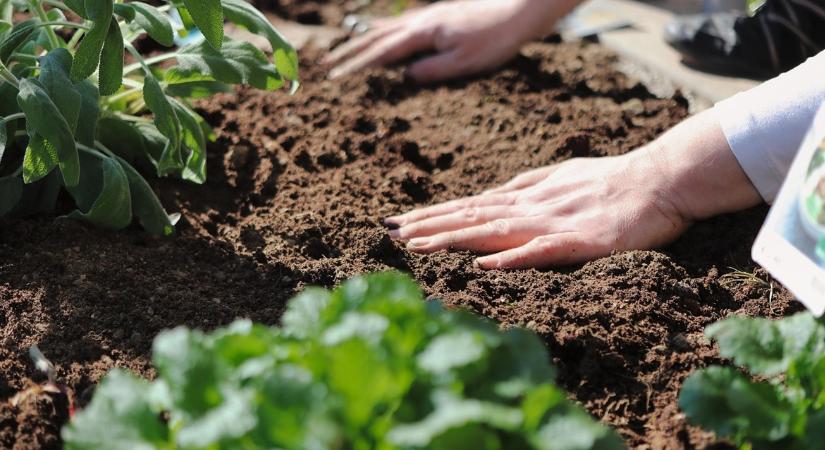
x,y
784,407
74,118
371,365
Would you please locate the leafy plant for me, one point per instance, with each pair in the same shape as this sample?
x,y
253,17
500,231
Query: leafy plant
x,y
370,365
73,117
785,407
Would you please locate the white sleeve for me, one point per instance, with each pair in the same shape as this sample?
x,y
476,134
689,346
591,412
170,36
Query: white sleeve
x,y
765,125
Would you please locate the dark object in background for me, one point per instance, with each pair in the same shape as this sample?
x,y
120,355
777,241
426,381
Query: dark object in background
x,y
778,37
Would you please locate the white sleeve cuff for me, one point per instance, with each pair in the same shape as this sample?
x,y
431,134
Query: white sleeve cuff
x,y
764,126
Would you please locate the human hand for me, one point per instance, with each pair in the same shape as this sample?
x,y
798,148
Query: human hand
x,y
563,214
468,37
586,208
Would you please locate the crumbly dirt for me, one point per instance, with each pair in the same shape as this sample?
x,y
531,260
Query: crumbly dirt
x,y
296,193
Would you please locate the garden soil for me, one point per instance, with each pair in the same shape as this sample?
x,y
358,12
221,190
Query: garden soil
x,y
297,189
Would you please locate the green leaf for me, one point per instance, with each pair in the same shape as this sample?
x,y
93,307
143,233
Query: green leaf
x,y
123,139
452,350
146,206
167,123
4,138
197,89
45,120
87,56
768,347
302,317
194,140
208,17
727,402
125,10
11,190
21,33
112,207
54,78
575,432
244,14
78,6
454,413
39,160
89,113
111,62
235,63
5,26
119,417
155,23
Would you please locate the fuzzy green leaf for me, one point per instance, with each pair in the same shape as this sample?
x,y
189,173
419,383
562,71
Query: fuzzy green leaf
x,y
197,89
146,206
167,123
244,14
235,63
110,76
39,160
87,56
150,19
194,140
78,6
21,33
54,77
45,120
155,23
208,17
112,207
89,113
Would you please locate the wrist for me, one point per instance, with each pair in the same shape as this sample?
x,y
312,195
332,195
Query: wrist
x,y
697,172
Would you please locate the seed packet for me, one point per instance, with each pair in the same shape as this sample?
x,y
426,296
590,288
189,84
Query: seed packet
x,y
791,243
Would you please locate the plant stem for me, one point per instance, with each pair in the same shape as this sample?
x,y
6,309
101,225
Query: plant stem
x,y
132,83
64,24
149,61
124,94
91,151
131,118
56,4
141,62
76,37
37,8
11,117
24,56
6,74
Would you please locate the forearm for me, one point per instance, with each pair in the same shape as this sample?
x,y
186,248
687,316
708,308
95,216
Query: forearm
x,y
702,176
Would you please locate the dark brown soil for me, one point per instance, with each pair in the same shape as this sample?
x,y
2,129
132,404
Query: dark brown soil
x,y
297,188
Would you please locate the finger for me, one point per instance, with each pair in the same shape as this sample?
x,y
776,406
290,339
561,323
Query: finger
x,y
450,207
494,236
547,250
524,180
463,218
357,44
439,67
392,48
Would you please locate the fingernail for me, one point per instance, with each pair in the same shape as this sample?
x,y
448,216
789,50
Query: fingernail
x,y
335,73
394,234
417,243
392,224
482,263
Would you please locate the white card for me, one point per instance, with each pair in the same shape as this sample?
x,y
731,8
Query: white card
x,y
791,243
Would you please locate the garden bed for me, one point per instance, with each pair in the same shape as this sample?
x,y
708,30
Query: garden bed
x,y
296,192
